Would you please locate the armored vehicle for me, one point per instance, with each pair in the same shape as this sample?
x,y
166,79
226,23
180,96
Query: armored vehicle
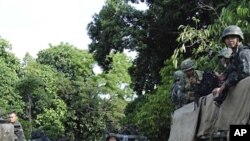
x,y
208,122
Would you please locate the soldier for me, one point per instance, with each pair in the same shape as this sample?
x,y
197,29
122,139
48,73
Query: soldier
x,y
112,137
193,78
6,130
239,67
17,127
177,94
224,58
224,61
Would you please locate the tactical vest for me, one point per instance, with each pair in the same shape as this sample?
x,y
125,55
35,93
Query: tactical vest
x,y
191,89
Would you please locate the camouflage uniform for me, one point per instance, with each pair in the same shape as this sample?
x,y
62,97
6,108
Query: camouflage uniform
x,y
190,88
226,54
177,94
6,130
239,67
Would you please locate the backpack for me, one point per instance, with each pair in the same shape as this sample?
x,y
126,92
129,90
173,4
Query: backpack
x,y
177,95
173,94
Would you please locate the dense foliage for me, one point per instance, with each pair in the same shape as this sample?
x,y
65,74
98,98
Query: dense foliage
x,y
60,93
170,32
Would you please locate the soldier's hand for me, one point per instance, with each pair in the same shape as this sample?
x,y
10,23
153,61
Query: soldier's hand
x,y
222,88
192,80
215,92
216,74
221,77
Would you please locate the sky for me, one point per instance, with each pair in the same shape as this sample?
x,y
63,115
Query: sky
x,y
31,25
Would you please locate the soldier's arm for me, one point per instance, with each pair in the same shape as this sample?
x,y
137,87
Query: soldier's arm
x,y
20,134
228,70
235,76
245,59
232,79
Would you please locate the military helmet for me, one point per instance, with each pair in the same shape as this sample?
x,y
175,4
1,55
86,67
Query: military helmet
x,y
187,64
232,30
112,135
225,52
178,75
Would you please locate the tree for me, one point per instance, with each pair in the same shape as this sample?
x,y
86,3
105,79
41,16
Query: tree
x,y
152,113
10,68
194,40
82,91
117,27
67,59
53,118
9,58
152,33
82,117
38,88
116,86
200,40
10,100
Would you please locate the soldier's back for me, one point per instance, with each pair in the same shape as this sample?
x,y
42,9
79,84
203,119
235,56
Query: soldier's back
x,y
7,132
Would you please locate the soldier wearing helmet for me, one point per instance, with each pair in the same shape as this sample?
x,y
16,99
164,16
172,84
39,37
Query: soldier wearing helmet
x,y
177,94
224,56
112,137
224,61
192,77
232,30
239,67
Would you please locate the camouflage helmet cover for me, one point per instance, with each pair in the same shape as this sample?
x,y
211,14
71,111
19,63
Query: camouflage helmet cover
x,y
178,75
232,30
225,52
187,64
